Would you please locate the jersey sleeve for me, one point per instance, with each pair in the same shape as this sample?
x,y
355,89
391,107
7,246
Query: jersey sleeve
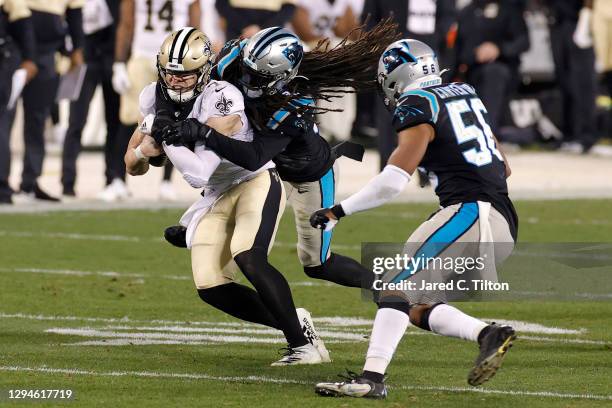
x,y
146,100
415,108
226,100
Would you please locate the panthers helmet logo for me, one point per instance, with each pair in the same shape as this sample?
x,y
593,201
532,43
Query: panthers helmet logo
x,y
395,57
294,53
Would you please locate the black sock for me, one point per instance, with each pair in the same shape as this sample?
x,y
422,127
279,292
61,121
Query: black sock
x,y
274,291
239,301
342,270
373,376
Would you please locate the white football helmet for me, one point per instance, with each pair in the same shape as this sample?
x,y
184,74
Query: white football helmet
x,y
407,64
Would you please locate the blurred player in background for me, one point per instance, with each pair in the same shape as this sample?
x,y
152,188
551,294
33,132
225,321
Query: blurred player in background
x,y
280,84
234,223
17,52
143,25
245,18
443,128
316,20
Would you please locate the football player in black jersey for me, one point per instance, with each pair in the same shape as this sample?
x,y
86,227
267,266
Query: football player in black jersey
x,y
442,128
280,83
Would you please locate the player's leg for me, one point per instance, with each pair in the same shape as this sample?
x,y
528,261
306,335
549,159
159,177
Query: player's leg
x,y
461,223
76,122
214,270
314,245
259,207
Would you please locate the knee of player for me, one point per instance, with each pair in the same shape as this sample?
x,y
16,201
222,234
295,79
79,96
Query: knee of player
x,y
419,315
251,260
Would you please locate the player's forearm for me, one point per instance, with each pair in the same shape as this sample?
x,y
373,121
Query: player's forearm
x,y
196,169
195,14
380,190
249,155
135,164
23,33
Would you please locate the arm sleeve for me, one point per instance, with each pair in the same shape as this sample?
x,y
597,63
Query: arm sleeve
x,y
74,19
380,190
196,167
517,41
249,155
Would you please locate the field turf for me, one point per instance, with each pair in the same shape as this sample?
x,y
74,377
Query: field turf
x,y
97,303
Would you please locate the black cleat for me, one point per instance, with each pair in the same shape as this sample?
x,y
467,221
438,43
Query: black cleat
x,y
494,345
354,386
176,235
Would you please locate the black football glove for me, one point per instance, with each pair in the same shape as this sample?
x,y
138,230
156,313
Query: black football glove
x,y
320,220
185,132
176,235
162,119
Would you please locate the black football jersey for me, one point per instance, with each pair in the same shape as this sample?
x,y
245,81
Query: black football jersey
x,y
463,160
307,156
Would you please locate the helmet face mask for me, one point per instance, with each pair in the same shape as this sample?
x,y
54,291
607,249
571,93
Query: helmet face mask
x,y
405,65
269,61
184,63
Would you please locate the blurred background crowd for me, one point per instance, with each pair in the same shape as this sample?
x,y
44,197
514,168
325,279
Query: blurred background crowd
x,y
543,68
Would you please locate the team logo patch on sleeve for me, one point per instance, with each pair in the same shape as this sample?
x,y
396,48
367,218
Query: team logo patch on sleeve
x,y
224,105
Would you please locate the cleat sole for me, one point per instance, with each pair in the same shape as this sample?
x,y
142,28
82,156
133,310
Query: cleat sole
x,y
489,366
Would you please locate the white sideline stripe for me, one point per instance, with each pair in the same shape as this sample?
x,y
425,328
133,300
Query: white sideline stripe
x,y
566,341
164,336
167,333
183,329
270,380
69,235
111,274
137,342
528,327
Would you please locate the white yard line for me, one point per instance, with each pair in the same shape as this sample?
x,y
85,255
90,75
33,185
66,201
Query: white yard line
x,y
271,380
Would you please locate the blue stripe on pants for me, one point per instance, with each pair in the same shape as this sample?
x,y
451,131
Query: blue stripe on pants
x,y
327,185
452,230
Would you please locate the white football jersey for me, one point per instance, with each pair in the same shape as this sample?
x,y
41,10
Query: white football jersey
x,y
219,98
154,21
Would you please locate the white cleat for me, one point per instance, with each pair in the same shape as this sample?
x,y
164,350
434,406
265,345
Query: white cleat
x,y
307,354
167,192
311,334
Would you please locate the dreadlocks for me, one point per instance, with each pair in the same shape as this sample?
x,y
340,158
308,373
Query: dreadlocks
x,y
327,73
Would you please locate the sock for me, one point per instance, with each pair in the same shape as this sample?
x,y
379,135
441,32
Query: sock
x,y
452,322
239,301
342,270
372,376
274,292
389,328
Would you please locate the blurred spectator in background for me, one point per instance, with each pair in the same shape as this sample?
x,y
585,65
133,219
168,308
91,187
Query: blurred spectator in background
x,y
247,17
315,20
100,19
491,36
602,36
424,20
52,20
211,25
143,26
17,51
572,47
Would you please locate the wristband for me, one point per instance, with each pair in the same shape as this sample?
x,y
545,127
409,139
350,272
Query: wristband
x,y
139,154
338,211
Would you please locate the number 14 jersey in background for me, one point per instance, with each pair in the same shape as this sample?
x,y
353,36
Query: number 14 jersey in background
x,y
154,20
463,160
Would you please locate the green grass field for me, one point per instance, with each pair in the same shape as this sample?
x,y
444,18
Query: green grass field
x,y
97,303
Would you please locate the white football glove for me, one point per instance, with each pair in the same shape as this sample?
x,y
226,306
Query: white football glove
x,y
121,80
582,35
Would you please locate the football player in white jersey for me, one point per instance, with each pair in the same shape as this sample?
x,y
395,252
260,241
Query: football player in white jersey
x,y
143,25
234,223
